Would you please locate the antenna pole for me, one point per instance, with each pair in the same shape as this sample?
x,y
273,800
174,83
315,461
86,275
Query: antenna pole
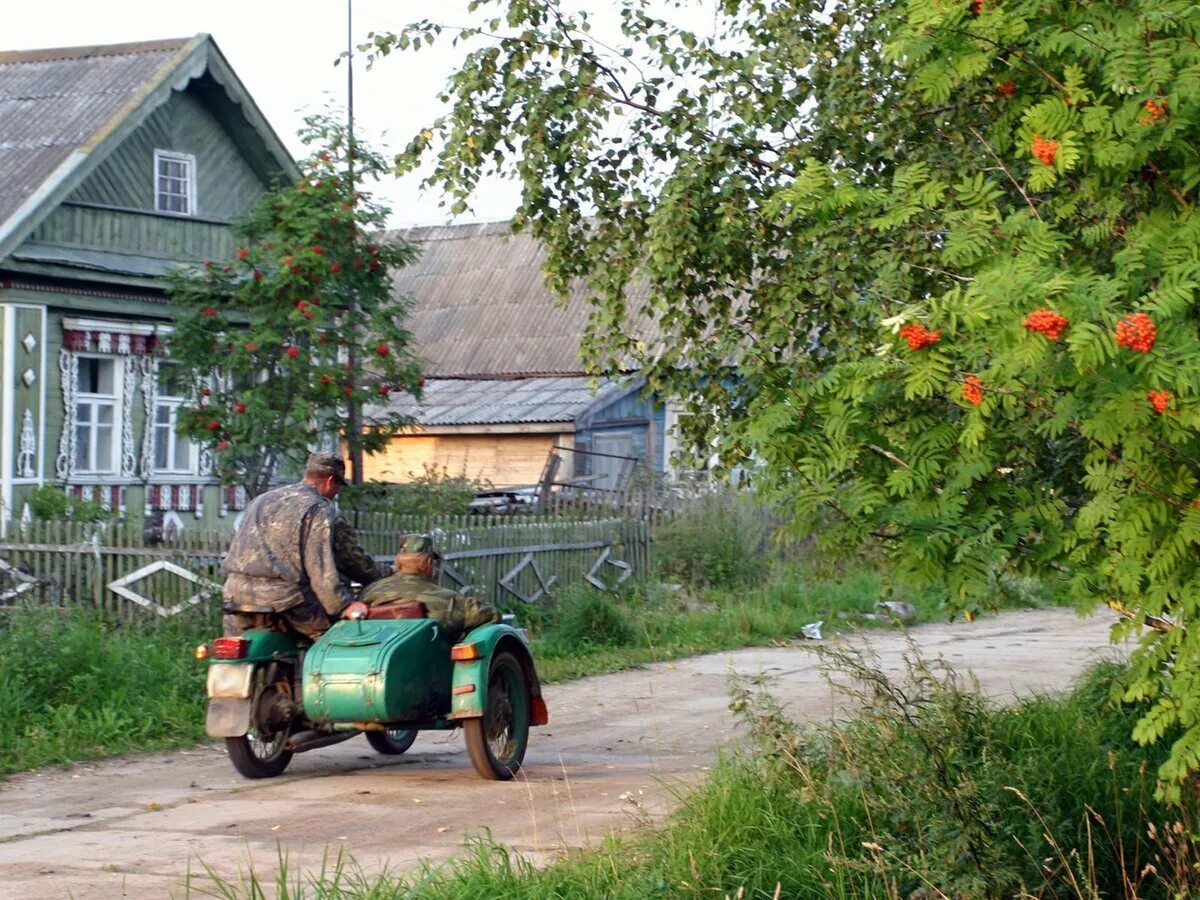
x,y
354,425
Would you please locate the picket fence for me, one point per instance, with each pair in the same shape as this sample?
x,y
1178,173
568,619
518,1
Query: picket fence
x,y
116,569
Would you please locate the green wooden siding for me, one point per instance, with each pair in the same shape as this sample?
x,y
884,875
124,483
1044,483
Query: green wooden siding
x,y
137,233
226,185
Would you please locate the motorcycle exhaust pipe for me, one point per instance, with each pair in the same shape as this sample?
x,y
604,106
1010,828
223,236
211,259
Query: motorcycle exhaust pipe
x,y
311,740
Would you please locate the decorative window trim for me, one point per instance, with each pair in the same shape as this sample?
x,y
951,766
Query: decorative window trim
x,y
125,372
27,457
189,181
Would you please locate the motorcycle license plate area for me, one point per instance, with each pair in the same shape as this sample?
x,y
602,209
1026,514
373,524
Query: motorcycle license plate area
x,y
229,681
386,670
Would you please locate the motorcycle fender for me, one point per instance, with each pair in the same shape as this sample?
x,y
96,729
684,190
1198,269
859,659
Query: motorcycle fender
x,y
229,681
228,717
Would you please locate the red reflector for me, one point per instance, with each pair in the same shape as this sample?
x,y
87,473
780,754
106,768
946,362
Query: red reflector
x,y
465,689
230,647
464,651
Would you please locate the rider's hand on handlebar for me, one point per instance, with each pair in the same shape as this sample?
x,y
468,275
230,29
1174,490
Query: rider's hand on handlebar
x,y
355,610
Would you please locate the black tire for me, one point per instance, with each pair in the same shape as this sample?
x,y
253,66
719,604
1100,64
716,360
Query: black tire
x,y
496,741
257,755
391,743
258,759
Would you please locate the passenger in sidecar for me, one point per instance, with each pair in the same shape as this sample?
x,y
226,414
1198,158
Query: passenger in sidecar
x,y
413,583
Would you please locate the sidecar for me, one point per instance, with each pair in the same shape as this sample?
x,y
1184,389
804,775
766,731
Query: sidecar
x,y
386,677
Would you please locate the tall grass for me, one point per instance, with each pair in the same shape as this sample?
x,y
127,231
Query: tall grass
x,y
75,685
928,792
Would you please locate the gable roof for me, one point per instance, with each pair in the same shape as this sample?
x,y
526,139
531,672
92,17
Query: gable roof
x,y
62,110
481,307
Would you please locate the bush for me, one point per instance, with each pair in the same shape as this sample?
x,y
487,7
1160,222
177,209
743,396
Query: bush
x,y
720,540
587,617
52,504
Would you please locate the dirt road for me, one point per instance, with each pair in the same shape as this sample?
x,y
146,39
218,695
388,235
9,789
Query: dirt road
x,y
615,745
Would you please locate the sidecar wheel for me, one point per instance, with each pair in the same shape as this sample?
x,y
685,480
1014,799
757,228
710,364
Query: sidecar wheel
x,y
496,741
391,743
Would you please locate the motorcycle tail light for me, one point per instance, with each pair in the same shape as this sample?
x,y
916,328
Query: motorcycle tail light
x,y
230,647
464,651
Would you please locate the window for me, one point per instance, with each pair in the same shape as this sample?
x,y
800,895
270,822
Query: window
x,y
96,404
173,452
174,183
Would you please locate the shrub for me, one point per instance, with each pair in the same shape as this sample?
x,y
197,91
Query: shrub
x,y
718,541
53,504
588,617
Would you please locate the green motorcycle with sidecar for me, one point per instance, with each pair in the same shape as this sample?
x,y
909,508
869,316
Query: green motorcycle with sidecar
x,y
387,676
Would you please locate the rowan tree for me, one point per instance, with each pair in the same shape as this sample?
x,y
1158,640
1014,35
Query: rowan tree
x,y
933,264
276,343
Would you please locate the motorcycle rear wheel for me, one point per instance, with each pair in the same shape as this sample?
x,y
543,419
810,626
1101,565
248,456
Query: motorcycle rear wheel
x,y
255,758
257,755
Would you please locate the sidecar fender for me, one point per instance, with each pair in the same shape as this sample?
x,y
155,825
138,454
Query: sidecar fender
x,y
470,681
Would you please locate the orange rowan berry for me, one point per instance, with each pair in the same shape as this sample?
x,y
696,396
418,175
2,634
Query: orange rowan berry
x,y
1047,322
1006,88
1044,150
918,336
972,390
1137,332
1160,400
1155,110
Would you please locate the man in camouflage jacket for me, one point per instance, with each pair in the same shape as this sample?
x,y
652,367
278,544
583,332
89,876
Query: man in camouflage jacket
x,y
281,559
353,562
413,580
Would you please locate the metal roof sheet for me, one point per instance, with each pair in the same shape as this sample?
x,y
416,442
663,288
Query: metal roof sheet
x,y
450,401
53,103
481,307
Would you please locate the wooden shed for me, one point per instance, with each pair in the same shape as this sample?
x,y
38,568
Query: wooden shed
x,y
504,380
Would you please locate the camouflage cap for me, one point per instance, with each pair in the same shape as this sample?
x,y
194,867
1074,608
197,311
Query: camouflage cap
x,y
416,543
326,464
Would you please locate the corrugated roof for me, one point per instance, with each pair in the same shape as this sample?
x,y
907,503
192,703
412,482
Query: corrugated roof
x,y
481,307
448,401
54,103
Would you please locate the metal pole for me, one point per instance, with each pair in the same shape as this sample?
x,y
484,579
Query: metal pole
x,y
354,423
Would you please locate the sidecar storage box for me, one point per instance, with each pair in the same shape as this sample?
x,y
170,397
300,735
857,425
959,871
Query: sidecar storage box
x,y
387,670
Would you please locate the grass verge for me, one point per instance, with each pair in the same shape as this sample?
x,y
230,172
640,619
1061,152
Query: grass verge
x,y
76,686
930,792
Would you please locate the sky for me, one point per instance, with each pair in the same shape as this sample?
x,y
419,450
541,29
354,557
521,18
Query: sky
x,y
284,52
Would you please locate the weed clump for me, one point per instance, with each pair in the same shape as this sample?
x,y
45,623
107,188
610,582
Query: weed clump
x,y
588,617
719,541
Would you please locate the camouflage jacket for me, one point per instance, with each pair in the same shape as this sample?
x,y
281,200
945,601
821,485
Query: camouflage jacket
x,y
283,553
457,612
353,562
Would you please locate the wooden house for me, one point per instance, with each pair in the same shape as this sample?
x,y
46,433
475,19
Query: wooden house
x,y
116,163
504,383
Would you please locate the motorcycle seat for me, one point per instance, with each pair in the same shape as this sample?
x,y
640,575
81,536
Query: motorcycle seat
x,y
399,609
246,608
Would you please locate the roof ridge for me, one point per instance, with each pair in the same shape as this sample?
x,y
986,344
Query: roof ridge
x,y
54,54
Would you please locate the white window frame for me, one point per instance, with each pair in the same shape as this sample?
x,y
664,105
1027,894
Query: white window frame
x,y
96,401
171,403
189,180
